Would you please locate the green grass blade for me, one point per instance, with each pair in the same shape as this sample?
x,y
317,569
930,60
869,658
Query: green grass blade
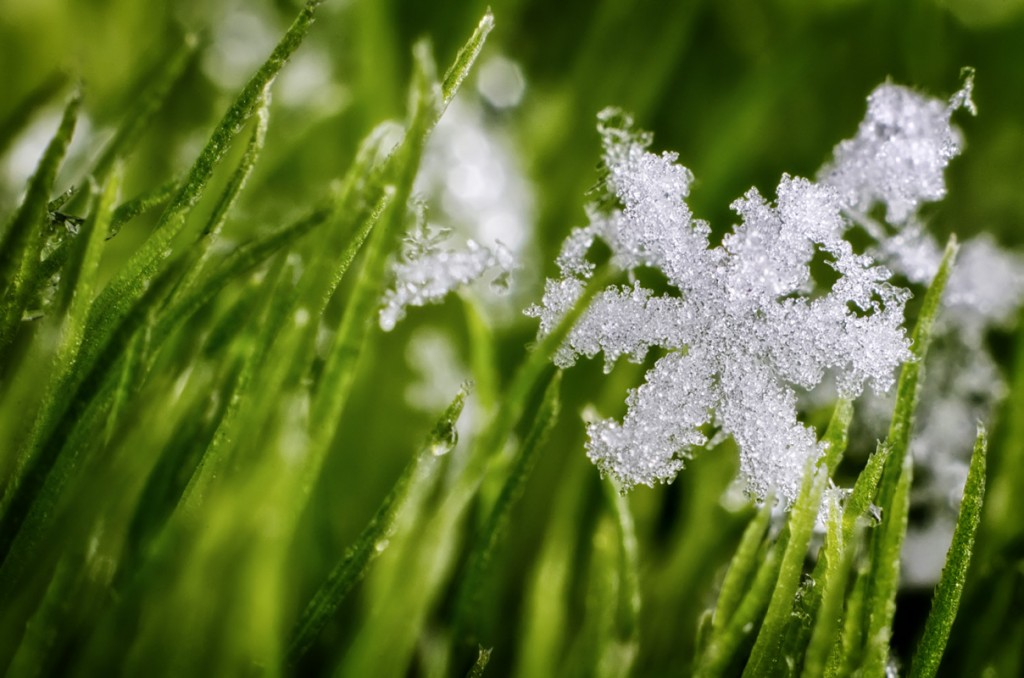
x,y
894,485
328,598
469,596
79,280
22,240
464,60
483,657
766,657
621,650
722,650
335,385
741,569
837,558
837,435
124,290
36,99
950,587
211,231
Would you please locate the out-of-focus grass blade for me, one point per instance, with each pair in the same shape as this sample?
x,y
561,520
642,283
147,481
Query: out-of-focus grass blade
x,y
741,568
621,648
546,618
497,521
894,486
22,240
16,120
721,651
766,657
158,86
421,469
947,593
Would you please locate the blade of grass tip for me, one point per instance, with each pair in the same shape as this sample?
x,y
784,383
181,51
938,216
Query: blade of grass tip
x,y
118,297
883,579
766,657
16,120
722,650
483,656
887,539
837,434
946,600
22,241
347,573
907,389
155,89
844,656
464,60
837,557
493,529
741,568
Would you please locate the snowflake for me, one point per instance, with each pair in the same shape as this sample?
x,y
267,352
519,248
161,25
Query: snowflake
x,y
742,328
427,270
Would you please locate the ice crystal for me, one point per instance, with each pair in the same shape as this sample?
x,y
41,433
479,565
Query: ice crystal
x,y
743,326
901,149
427,270
897,160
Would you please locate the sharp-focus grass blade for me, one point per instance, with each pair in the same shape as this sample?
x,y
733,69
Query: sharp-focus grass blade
x,y
22,240
420,470
837,558
894,486
483,656
947,593
766,657
497,521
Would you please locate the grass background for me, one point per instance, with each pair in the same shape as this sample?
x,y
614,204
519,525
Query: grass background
x,y
742,90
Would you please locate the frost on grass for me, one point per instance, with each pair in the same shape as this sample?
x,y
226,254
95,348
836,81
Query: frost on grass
x,y
896,161
743,325
427,269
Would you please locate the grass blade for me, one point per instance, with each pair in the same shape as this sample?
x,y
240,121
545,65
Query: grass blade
x,y
467,616
947,593
328,598
894,486
36,99
741,568
117,299
22,241
766,657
